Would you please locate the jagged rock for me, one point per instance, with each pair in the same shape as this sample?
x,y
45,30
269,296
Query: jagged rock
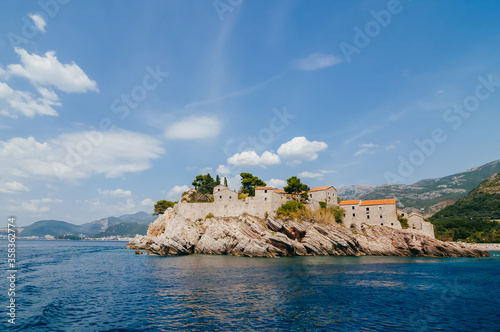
x,y
172,234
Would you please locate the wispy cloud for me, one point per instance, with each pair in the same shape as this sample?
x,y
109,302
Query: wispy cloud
x,y
317,61
366,148
235,94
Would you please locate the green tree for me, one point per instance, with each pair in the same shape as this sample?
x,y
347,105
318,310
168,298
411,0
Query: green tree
x,y
204,184
225,181
217,180
296,187
162,206
249,182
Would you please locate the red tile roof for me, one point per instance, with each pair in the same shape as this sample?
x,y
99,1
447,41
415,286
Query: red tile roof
x,y
379,202
352,202
264,188
279,191
320,188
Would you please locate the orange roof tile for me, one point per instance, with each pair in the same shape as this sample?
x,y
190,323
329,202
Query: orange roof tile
x,y
279,191
320,188
264,188
379,202
352,202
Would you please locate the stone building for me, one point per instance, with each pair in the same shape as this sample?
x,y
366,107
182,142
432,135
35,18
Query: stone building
x,y
382,212
417,224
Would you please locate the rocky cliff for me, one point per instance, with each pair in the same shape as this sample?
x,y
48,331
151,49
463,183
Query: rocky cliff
x,y
171,234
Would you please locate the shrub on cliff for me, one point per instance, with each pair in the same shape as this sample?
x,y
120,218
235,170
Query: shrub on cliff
x,y
289,208
162,206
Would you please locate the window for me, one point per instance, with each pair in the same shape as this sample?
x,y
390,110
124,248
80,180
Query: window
x,y
218,189
368,217
265,191
229,197
353,207
265,198
344,214
220,196
380,208
310,195
392,224
381,224
367,209
380,216
354,214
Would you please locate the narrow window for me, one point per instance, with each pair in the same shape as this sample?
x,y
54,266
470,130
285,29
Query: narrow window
x,y
265,198
368,217
392,224
311,195
265,191
353,207
220,196
354,214
367,209
380,216
229,197
381,224
380,208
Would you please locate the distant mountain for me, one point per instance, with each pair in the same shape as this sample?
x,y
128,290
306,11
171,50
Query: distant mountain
x,y
482,203
51,227
123,229
473,218
428,195
102,224
356,191
57,227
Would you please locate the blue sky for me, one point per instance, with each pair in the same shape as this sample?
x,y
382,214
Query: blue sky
x,y
109,106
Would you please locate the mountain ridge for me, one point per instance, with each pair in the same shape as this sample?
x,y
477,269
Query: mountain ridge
x,y
428,195
58,227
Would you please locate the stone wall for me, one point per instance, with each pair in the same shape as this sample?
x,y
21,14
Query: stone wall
x,y
419,225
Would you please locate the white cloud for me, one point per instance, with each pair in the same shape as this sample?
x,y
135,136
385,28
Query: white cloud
x,y
26,104
148,202
176,192
366,148
205,170
48,71
318,174
276,183
251,158
78,155
317,61
223,170
12,187
115,193
299,149
310,175
194,127
39,22
35,205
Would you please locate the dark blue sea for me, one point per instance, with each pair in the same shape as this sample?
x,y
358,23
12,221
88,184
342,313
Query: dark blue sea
x,y
102,286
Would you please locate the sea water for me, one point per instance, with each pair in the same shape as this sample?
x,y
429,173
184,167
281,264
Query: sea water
x,y
103,286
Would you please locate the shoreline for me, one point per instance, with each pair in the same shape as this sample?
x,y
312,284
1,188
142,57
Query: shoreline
x,y
484,246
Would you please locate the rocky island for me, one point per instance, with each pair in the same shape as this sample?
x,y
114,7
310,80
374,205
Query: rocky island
x,y
172,234
296,221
